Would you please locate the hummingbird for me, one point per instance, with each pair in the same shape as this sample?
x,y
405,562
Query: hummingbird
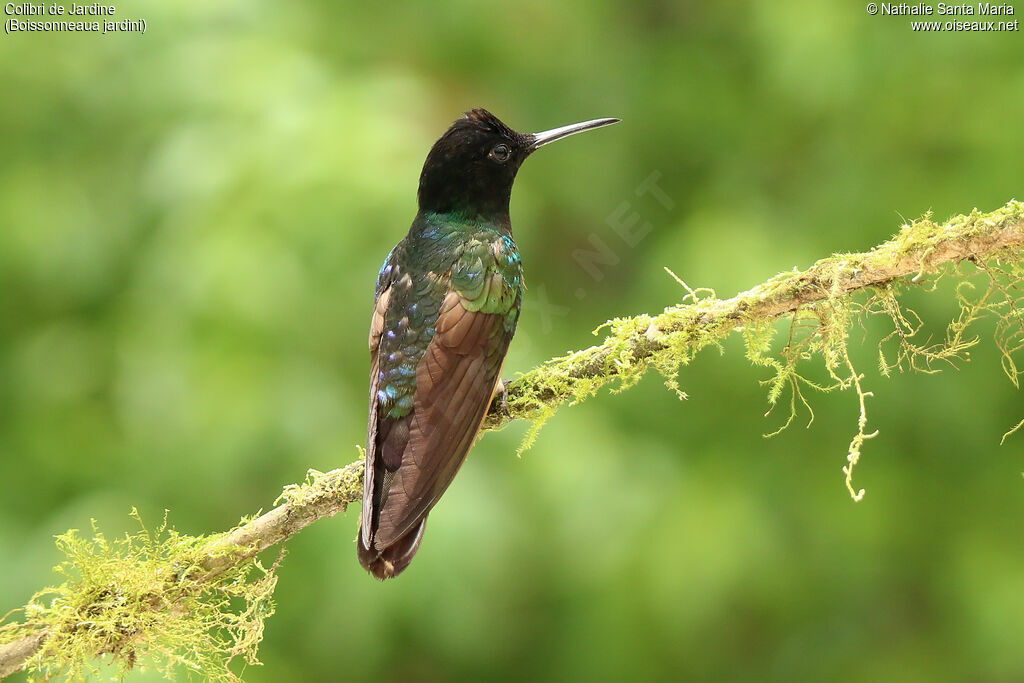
x,y
447,302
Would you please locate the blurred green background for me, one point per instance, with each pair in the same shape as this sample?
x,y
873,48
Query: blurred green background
x,y
191,222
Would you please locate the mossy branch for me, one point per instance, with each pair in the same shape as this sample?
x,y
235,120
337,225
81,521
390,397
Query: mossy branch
x,y
175,598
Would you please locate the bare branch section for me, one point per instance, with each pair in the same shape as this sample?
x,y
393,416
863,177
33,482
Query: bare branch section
x,y
633,346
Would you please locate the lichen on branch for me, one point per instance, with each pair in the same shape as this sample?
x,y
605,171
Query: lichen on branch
x,y
146,596
178,600
821,303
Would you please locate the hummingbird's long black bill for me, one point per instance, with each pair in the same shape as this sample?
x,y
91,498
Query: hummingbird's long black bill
x,y
548,136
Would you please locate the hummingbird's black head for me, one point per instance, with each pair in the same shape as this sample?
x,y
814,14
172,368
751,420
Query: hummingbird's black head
x,y
472,166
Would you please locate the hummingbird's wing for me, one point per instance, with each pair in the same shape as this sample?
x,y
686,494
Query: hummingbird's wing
x,y
455,381
438,342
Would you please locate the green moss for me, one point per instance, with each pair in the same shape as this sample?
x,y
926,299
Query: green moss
x,y
820,304
143,600
341,484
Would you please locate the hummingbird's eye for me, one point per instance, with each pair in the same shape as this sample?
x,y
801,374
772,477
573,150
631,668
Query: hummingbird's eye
x,y
500,153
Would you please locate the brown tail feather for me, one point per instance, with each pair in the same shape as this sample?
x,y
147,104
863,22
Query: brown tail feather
x,y
392,560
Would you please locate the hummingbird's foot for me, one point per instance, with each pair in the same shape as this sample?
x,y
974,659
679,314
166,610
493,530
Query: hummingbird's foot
x,y
501,395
